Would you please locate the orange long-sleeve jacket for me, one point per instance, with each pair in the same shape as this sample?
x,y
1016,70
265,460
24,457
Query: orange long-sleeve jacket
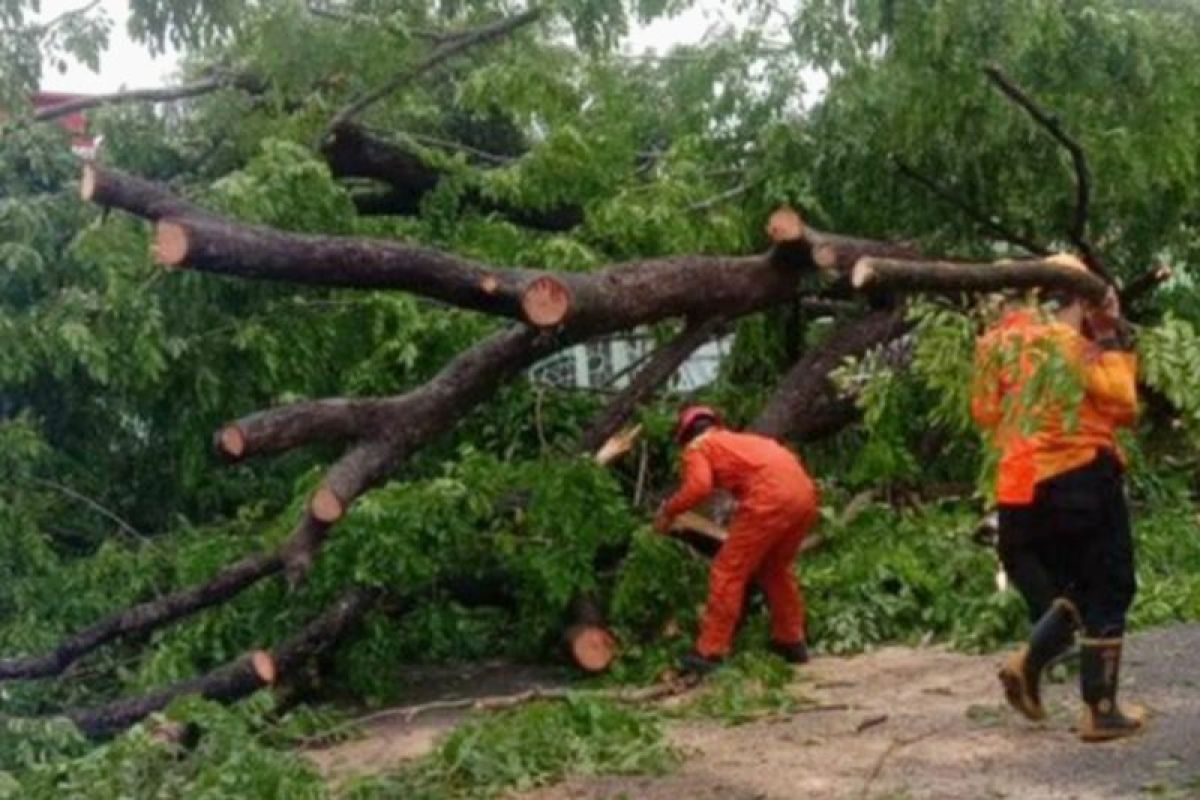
x,y
1040,442
761,474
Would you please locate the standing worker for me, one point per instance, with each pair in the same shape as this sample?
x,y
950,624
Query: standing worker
x,y
776,508
1065,538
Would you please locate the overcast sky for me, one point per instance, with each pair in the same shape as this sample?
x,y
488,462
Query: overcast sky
x,y
128,65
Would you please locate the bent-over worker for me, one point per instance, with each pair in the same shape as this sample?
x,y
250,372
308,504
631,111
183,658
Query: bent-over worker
x,y
1065,538
776,507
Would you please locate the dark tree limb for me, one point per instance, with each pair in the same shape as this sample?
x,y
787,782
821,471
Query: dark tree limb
x,y
798,244
405,423
164,94
661,366
1077,230
807,383
355,152
953,276
239,678
144,617
443,52
986,221
138,196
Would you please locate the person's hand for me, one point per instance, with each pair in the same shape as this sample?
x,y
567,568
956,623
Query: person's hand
x,y
663,520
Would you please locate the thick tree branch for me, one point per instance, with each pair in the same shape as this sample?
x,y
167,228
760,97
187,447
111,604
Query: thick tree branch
x,y
662,365
239,678
1079,220
987,221
280,429
953,276
616,298
797,395
144,198
157,95
799,244
443,52
405,423
144,617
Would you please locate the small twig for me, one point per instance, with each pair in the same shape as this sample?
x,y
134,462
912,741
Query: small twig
x,y
94,505
1078,228
443,52
157,95
870,722
407,714
717,199
643,463
987,221
482,155
895,745
56,21
539,396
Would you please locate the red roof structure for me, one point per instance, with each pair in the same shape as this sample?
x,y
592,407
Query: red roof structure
x,y
75,123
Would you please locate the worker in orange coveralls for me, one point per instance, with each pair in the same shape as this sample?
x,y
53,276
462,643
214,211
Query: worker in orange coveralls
x,y
776,508
1065,537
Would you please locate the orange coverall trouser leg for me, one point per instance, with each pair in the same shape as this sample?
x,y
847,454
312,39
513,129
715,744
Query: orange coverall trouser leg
x,y
762,544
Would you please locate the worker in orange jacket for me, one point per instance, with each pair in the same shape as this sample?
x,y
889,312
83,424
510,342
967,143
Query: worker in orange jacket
x,y
1065,538
776,508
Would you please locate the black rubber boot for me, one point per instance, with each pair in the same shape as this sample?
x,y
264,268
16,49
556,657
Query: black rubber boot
x,y
1099,675
1021,675
695,664
794,653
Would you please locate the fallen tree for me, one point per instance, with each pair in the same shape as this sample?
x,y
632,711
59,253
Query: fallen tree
x,y
547,311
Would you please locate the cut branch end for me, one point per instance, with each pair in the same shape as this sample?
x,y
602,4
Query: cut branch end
x,y
546,302
593,647
170,243
264,666
231,442
87,184
325,506
863,274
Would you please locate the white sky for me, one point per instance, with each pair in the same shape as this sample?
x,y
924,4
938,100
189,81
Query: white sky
x,y
129,66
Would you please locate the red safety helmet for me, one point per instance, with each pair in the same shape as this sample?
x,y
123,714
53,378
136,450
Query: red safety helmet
x,y
689,416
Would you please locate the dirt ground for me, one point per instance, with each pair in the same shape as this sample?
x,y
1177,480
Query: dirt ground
x,y
919,723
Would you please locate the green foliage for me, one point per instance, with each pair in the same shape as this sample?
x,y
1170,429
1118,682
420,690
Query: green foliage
x,y
749,687
234,758
902,576
535,745
1170,363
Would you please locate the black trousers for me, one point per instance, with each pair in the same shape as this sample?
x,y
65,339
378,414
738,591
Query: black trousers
x,y
1074,541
